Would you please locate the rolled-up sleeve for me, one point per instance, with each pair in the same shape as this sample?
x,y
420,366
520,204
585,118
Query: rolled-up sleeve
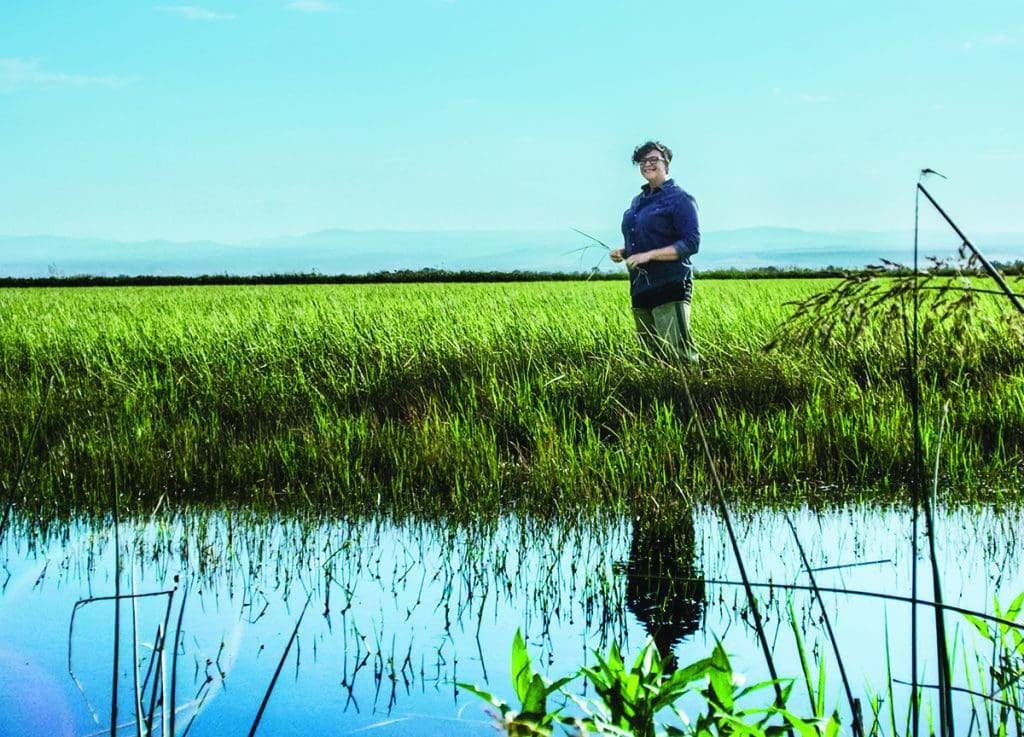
x,y
684,218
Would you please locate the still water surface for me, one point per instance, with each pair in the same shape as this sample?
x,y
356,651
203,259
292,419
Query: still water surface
x,y
399,611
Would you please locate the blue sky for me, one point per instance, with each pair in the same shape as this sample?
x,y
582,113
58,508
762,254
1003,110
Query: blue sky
x,y
232,120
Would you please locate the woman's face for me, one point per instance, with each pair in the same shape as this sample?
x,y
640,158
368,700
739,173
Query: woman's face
x,y
654,167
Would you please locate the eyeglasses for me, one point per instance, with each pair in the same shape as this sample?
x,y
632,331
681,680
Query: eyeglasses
x,y
651,161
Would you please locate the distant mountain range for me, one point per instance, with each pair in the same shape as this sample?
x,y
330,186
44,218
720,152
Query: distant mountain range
x,y
340,251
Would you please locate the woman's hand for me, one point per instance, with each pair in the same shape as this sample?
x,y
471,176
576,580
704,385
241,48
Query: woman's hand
x,y
638,258
618,255
668,253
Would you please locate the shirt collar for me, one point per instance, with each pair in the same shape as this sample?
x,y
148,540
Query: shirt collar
x,y
646,189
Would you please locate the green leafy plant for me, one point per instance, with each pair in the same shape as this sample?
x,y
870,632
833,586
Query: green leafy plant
x,y
1003,695
532,690
725,714
630,698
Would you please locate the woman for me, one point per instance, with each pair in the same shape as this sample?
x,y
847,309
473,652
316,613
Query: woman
x,y
660,233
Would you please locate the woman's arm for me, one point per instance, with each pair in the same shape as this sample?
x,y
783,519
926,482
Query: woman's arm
x,y
684,218
668,253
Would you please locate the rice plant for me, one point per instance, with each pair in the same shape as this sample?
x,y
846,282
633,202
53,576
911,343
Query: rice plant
x,y
468,396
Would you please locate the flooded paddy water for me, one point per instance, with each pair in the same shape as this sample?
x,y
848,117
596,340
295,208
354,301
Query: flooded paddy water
x,y
392,614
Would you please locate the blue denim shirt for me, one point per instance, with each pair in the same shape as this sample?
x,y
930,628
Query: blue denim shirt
x,y
666,216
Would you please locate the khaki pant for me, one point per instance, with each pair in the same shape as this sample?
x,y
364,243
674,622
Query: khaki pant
x,y
665,331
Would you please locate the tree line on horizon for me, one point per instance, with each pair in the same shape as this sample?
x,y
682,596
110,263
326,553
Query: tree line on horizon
x,y
431,275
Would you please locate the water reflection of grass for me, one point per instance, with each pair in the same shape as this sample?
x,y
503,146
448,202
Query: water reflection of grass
x,y
401,604
441,397
405,607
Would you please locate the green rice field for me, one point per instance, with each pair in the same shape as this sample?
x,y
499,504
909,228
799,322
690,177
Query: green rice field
x,y
517,396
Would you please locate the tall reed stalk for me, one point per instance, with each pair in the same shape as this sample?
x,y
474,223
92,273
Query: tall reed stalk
x,y
115,677
780,701
854,704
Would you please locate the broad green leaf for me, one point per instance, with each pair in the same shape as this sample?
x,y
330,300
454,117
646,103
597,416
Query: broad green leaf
x,y
490,698
690,673
761,685
721,685
719,657
736,726
786,686
1015,606
614,664
802,727
521,671
631,686
979,624
535,698
1018,641
593,709
556,685
648,660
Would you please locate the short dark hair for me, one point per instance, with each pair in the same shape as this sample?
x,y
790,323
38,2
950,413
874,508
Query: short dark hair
x,y
645,148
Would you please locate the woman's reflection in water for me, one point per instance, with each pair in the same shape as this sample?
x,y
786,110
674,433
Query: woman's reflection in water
x,y
664,586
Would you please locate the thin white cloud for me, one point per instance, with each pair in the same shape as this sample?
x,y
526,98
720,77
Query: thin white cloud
x,y
999,39
21,73
815,99
194,12
313,6
995,40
